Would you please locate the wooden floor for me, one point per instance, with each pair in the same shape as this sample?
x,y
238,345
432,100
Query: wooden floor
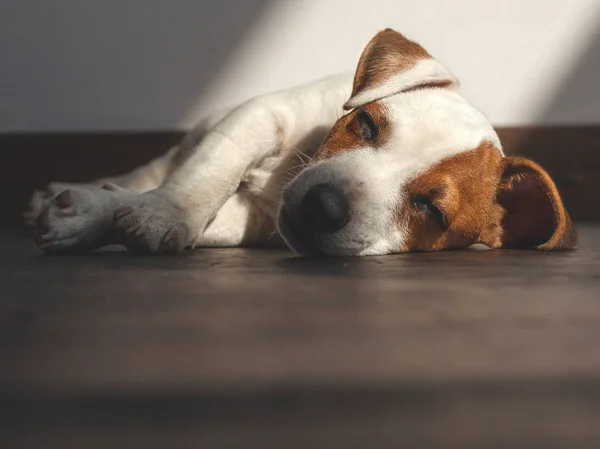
x,y
249,349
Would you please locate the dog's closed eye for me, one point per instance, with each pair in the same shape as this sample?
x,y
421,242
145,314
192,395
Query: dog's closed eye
x,y
425,205
366,126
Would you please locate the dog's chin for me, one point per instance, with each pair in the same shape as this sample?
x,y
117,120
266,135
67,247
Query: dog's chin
x,y
293,236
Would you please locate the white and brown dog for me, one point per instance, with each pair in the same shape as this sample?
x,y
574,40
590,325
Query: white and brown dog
x,y
411,167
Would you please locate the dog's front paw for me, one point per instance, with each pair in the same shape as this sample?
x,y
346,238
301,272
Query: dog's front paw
x,y
76,219
40,199
153,223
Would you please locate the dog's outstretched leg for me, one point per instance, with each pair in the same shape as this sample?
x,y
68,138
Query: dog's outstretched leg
x,y
175,215
79,217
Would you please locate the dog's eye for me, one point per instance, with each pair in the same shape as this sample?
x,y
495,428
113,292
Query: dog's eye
x,y
425,205
368,129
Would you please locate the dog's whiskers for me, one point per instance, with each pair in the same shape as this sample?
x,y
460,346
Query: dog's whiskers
x,y
298,153
272,234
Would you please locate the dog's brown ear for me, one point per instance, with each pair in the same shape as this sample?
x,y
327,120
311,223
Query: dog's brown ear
x,y
390,64
534,214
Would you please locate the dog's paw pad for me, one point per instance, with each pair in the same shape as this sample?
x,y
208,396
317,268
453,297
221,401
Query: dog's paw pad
x,y
65,202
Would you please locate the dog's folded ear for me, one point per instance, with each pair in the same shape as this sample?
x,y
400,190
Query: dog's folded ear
x,y
391,64
533,213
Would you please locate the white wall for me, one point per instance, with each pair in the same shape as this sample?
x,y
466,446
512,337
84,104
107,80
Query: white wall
x,y
156,64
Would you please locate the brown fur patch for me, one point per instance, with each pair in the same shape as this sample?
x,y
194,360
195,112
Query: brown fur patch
x,y
346,132
486,198
535,216
463,187
386,55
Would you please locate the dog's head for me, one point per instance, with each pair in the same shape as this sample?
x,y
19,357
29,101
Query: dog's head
x,y
413,167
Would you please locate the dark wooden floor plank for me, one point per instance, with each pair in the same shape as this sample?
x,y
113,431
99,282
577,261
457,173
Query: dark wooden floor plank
x,y
239,348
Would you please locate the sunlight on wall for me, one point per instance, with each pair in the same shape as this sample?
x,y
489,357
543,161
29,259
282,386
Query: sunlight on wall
x,y
510,56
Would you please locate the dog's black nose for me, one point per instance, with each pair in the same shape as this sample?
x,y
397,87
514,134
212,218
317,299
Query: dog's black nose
x,y
325,209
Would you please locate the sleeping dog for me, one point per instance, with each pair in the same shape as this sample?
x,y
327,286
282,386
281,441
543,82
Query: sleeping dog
x,y
391,159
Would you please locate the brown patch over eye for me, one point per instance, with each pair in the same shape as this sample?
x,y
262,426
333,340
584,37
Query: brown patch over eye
x,y
450,205
428,205
366,126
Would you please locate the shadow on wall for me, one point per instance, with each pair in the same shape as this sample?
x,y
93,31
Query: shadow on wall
x,y
178,46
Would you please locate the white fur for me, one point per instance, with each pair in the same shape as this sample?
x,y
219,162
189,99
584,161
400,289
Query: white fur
x,y
429,125
222,186
425,71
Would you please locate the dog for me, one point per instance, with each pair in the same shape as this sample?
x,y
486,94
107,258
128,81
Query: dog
x,y
390,159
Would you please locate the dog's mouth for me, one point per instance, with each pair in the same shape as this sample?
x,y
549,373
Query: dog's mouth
x,y
294,236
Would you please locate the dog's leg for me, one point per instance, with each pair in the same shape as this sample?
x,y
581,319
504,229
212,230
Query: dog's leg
x,y
68,217
201,176
154,173
175,215
142,179
81,219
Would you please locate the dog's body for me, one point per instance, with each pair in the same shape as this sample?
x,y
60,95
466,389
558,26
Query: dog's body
x,y
413,166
